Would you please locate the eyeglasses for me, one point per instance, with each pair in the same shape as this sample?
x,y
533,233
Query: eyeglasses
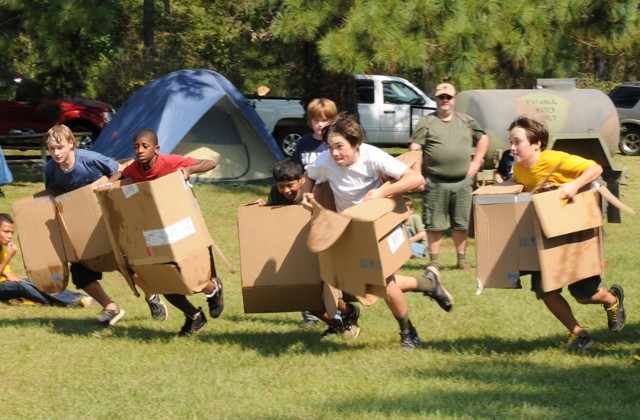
x,y
444,97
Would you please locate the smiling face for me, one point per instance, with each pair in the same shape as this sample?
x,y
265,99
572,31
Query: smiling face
x,y
342,152
290,189
146,149
6,233
524,153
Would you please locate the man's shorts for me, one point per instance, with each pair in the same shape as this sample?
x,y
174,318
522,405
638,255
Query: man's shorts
x,y
581,290
82,276
444,199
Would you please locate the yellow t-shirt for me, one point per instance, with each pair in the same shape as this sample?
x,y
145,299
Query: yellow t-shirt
x,y
7,269
570,168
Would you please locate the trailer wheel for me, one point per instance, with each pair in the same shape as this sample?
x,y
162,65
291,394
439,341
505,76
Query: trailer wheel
x,y
630,141
288,138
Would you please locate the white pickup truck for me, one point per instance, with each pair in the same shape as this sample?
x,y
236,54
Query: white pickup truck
x,y
389,109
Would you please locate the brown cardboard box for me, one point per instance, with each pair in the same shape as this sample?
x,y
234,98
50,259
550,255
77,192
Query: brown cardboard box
x,y
278,272
509,239
362,253
158,223
84,232
41,242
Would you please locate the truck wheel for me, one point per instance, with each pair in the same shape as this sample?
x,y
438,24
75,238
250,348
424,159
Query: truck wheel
x,y
288,138
630,141
87,141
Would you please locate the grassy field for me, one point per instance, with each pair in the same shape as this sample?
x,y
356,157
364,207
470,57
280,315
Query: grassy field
x,y
496,355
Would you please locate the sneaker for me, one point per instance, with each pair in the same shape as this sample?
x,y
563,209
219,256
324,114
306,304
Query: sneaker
x,y
439,293
307,323
158,309
351,328
216,299
193,325
109,318
87,301
616,315
334,329
578,343
409,339
463,265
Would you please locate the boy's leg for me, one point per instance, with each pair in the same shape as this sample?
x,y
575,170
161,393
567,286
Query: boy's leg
x,y
194,317
560,308
21,290
590,291
87,280
397,303
430,284
156,305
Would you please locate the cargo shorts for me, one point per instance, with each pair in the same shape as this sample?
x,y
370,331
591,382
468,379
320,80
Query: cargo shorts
x,y
581,290
447,199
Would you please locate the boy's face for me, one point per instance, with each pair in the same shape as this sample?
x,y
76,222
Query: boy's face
x,y
290,189
317,124
60,152
6,233
341,150
145,149
524,153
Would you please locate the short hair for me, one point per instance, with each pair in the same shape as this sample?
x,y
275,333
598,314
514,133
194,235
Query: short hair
x,y
408,201
287,169
5,218
59,133
536,131
347,126
321,108
145,132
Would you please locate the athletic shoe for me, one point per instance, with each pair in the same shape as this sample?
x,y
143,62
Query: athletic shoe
x,y
351,328
158,309
616,315
87,301
439,293
463,265
578,343
216,299
334,329
307,323
193,325
409,339
108,318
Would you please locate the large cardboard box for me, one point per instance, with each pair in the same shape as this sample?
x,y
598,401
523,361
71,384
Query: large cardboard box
x,y
159,223
41,242
361,247
510,239
83,228
278,272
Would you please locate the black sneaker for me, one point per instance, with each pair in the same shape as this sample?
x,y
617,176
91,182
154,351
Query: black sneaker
x,y
616,315
216,300
577,343
439,293
334,329
193,325
351,328
158,309
108,318
409,339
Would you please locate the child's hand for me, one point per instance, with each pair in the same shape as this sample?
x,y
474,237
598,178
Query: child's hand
x,y
568,190
260,202
185,173
374,193
307,199
11,249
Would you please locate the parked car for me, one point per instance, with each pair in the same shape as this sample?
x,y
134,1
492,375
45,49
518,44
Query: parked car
x,y
24,110
626,98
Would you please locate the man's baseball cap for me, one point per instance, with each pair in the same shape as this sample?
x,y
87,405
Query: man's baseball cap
x,y
445,89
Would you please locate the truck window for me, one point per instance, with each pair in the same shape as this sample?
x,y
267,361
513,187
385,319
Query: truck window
x,y
364,90
625,97
399,93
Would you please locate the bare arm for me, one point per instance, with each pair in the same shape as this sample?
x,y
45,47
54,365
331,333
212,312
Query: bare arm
x,y
307,195
481,150
417,167
11,251
409,181
202,165
587,176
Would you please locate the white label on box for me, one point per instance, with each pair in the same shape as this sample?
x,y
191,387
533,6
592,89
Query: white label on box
x,y
395,239
129,190
169,234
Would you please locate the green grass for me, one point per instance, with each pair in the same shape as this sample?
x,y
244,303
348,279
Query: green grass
x,y
497,355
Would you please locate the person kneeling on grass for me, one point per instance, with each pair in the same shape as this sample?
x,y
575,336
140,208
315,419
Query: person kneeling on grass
x,y
288,191
354,171
150,165
533,162
13,287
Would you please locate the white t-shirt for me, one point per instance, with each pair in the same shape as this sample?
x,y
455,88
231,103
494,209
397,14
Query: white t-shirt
x,y
350,184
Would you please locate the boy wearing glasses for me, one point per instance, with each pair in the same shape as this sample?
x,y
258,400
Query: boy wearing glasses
x,y
446,139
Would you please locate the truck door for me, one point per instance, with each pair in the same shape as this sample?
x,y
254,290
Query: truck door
x,y
395,116
367,109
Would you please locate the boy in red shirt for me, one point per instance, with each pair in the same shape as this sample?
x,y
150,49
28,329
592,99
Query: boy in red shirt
x,y
150,165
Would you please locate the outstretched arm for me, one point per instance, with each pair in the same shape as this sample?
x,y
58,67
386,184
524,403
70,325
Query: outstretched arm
x,y
202,165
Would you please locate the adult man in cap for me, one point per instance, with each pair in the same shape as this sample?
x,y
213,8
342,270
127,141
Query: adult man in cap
x,y
449,164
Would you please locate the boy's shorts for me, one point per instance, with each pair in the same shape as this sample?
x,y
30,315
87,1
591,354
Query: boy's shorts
x,y
581,290
82,276
444,198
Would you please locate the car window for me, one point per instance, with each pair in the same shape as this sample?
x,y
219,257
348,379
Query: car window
x,y
625,97
365,91
399,93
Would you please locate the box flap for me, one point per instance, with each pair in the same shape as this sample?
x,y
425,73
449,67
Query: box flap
x,y
326,228
559,217
370,210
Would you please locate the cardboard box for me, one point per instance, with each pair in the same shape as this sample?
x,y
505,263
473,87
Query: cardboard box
x,y
84,231
278,272
158,223
510,239
361,247
41,242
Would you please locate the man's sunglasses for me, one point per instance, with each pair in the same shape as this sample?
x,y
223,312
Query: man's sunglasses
x,y
445,97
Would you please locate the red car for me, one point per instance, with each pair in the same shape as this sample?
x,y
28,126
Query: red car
x,y
22,111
